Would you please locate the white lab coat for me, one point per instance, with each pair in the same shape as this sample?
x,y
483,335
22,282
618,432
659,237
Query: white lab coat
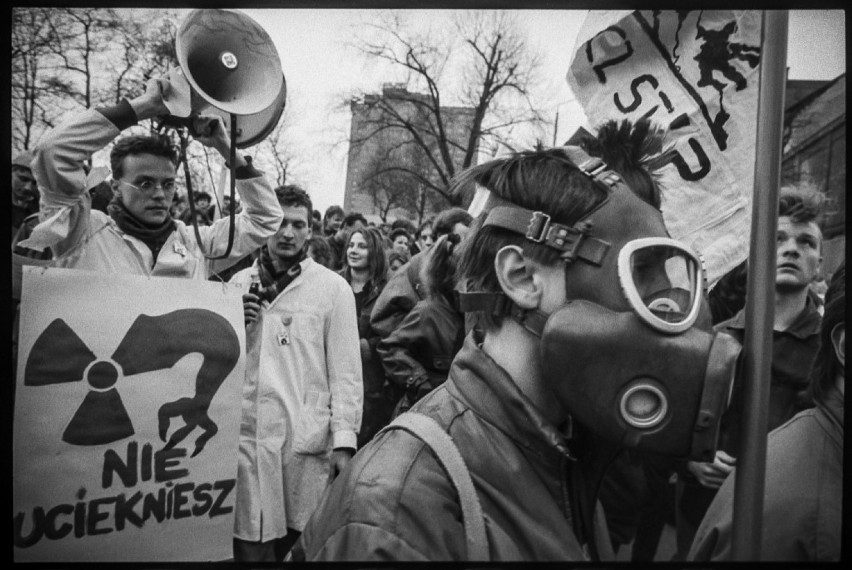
x,y
302,397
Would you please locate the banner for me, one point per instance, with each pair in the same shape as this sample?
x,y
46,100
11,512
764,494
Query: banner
x,y
127,415
694,73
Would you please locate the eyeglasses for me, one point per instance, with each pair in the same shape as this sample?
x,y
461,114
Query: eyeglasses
x,y
149,186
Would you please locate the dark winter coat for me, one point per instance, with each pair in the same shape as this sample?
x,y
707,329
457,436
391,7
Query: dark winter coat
x,y
378,404
803,493
404,290
394,501
416,356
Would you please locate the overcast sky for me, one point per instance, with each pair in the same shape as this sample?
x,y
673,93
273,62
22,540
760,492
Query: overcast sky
x,y
320,69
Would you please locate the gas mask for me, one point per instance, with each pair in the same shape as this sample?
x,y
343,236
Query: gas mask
x,y
631,355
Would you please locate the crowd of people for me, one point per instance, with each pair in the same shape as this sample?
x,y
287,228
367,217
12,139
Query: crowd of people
x,y
476,320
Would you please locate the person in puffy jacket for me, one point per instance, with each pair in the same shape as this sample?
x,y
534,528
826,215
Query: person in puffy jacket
x,y
416,356
405,289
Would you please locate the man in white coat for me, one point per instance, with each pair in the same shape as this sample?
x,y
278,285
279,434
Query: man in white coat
x,y
138,236
303,393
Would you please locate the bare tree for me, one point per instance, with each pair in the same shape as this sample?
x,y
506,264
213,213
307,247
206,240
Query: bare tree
x,y
275,150
388,189
461,88
64,59
32,36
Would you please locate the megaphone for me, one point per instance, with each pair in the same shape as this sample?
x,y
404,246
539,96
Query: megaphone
x,y
230,67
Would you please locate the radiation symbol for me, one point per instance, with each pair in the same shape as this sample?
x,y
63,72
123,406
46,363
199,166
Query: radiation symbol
x,y
152,343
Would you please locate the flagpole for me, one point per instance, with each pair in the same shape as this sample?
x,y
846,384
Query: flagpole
x,y
760,293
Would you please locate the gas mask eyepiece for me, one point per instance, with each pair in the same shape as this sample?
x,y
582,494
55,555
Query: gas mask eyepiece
x,y
662,279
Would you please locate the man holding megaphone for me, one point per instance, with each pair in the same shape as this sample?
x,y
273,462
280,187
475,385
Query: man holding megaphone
x,y
138,236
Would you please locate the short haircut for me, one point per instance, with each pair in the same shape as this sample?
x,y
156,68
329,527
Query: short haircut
x,y
800,203
291,195
378,268
157,145
627,148
826,366
538,180
331,211
405,224
202,196
350,219
399,232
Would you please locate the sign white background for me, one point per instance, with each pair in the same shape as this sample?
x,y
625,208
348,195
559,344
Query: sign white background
x,y
100,308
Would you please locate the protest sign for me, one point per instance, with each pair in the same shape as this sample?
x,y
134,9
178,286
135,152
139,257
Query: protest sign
x,y
695,73
127,417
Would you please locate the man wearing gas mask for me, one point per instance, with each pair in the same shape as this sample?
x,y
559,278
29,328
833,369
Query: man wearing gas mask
x,y
592,334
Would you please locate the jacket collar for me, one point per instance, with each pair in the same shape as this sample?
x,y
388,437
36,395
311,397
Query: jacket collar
x,y
492,394
805,325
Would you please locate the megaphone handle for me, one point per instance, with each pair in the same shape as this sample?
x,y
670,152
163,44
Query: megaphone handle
x,y
190,198
232,207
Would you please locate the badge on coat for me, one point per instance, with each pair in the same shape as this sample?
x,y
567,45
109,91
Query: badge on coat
x,y
284,336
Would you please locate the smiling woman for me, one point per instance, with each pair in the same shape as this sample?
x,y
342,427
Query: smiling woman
x,y
365,270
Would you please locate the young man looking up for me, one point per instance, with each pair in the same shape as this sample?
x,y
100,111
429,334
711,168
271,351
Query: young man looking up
x,y
303,392
803,489
795,341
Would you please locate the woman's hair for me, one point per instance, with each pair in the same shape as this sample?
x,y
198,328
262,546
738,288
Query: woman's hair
x,y
377,264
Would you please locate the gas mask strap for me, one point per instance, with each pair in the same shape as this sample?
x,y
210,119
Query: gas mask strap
x,y
498,304
574,242
715,397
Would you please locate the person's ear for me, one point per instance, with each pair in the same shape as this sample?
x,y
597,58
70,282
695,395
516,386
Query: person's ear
x,y
838,341
518,277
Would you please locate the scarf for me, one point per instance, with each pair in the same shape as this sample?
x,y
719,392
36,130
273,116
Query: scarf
x,y
152,236
274,281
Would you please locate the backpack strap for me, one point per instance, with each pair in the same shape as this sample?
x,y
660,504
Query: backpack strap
x,y
432,434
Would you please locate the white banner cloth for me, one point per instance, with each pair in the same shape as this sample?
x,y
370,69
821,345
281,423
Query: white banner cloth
x,y
696,74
